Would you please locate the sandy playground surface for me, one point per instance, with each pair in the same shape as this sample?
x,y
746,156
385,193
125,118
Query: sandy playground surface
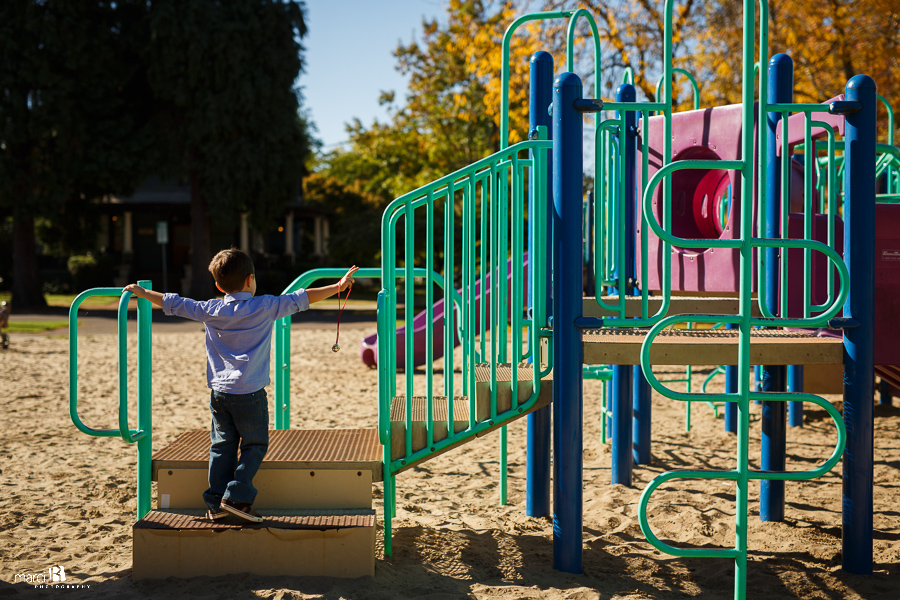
x,y
68,499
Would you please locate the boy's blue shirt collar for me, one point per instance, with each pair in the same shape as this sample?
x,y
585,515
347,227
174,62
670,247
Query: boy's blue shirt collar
x,y
237,297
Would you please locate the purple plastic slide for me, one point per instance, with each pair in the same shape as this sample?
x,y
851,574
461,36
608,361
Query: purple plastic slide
x,y
368,350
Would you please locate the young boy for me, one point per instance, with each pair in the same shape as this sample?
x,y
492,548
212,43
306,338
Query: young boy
x,y
238,348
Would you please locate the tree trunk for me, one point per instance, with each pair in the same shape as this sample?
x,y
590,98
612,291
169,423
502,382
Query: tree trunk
x,y
201,281
27,286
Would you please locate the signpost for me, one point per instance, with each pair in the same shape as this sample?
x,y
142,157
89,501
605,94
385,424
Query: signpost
x,y
162,238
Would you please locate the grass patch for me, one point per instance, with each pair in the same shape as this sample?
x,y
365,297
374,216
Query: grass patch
x,y
65,300
36,326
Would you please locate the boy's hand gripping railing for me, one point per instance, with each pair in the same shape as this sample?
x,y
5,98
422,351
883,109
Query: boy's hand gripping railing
x,y
143,434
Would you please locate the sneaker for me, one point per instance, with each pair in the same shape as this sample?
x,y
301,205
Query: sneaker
x,y
242,510
215,515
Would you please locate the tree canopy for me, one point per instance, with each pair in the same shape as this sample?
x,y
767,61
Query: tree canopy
x,y
222,75
98,95
73,112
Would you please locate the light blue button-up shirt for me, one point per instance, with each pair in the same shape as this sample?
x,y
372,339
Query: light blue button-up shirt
x,y
238,335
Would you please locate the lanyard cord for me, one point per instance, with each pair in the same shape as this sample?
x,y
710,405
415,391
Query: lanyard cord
x,y
337,347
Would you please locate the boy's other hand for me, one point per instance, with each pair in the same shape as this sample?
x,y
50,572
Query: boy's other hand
x,y
345,280
153,296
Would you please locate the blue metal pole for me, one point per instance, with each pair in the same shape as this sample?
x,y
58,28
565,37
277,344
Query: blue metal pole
x,y
885,389
568,353
642,416
795,384
731,387
771,500
621,395
859,346
537,462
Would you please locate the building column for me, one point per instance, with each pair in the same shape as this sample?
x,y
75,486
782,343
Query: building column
x,y
245,234
127,238
289,236
326,233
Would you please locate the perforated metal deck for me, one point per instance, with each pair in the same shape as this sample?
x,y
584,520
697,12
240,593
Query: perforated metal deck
x,y
289,519
288,449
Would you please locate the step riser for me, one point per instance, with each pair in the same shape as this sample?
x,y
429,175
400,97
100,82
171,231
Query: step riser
x,y
504,397
278,488
419,435
343,553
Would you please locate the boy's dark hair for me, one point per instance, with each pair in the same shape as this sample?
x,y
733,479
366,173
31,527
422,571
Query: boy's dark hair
x,y
230,269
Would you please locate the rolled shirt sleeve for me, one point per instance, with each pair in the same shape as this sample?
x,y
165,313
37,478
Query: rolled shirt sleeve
x,y
175,305
289,304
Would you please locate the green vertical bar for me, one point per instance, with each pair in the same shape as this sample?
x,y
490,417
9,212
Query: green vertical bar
x,y
786,171
503,265
286,376
599,212
449,284
832,208
495,283
144,403
409,313
471,299
278,330
746,270
429,309
645,259
482,268
808,155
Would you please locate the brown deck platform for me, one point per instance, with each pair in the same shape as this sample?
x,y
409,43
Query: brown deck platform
x,y
322,449
710,347
679,305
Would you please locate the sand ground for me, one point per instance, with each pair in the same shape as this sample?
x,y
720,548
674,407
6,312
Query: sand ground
x,y
67,499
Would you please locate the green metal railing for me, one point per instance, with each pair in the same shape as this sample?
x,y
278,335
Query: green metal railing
x,y
483,252
694,87
143,435
609,230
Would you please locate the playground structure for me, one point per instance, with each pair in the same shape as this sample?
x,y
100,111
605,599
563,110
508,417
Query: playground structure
x,y
519,342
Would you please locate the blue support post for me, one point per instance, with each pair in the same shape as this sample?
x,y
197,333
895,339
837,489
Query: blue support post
x,y
731,387
771,501
795,385
884,389
859,345
623,390
621,396
568,352
537,462
642,415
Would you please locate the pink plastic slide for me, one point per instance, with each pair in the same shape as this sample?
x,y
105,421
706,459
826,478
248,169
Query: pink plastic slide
x,y
368,350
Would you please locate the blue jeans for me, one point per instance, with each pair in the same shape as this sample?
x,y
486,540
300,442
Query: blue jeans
x,y
238,420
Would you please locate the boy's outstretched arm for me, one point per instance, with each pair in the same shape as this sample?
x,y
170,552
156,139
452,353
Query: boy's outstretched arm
x,y
153,296
317,294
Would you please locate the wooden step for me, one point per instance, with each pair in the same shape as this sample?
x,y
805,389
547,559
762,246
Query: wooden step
x,y
710,347
461,408
524,375
329,468
419,421
297,543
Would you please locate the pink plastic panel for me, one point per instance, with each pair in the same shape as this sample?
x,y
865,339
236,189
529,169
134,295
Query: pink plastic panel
x,y
887,284
709,134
